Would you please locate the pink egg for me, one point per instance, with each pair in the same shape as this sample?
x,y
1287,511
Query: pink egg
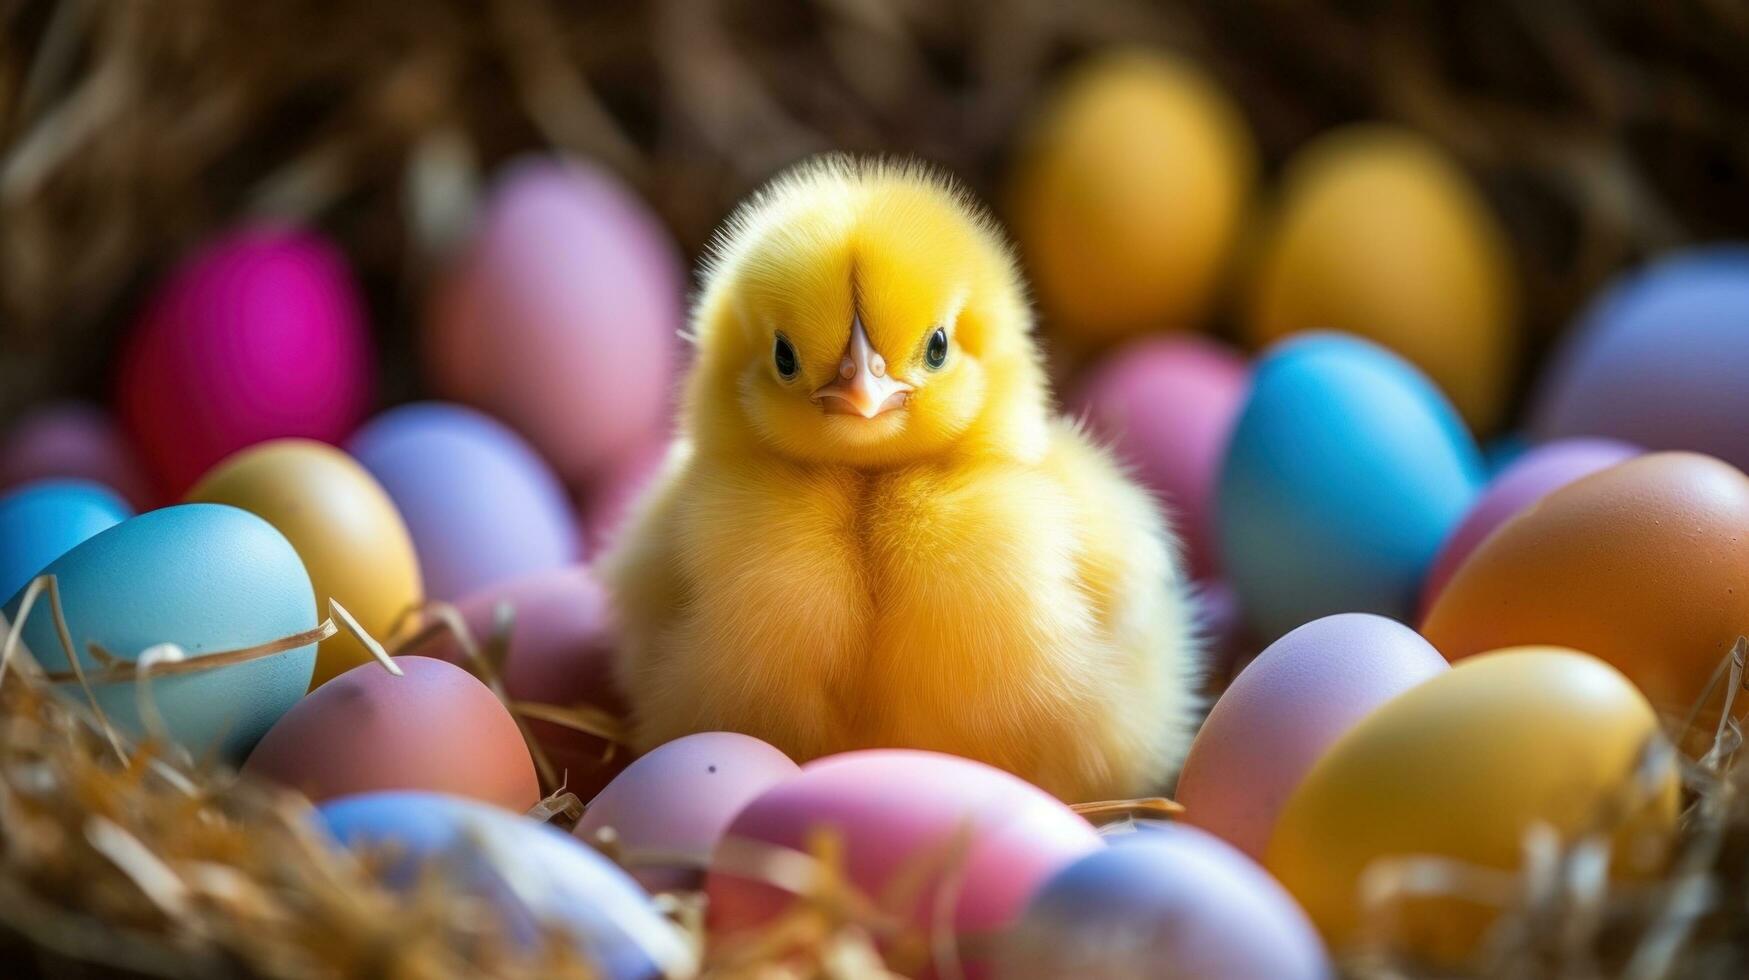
x,y
561,652
259,335
899,810
1528,479
435,728
561,316
73,440
1284,709
1168,405
609,498
669,809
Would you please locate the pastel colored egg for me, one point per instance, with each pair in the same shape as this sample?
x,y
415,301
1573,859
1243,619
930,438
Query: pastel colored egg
x,y
207,578
44,520
1172,901
612,496
560,652
481,506
1658,359
1167,406
669,809
1644,564
258,335
557,881
1284,710
1378,232
1129,196
1461,768
1345,473
73,440
433,728
345,528
562,314
1522,483
905,812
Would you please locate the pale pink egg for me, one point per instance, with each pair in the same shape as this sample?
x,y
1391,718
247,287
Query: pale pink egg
x,y
1284,709
982,840
1168,405
259,335
609,499
669,809
562,314
73,440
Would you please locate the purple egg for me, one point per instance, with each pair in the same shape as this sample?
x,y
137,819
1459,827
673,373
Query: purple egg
x,y
1170,901
1523,482
1659,360
481,506
73,440
1284,709
669,809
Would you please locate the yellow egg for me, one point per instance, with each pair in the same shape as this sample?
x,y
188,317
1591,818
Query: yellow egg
x,y
1378,232
1129,195
348,533
1461,767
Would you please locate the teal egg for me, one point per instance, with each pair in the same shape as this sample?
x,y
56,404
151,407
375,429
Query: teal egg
x,y
42,520
208,578
1345,473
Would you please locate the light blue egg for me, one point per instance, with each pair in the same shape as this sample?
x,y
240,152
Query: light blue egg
x,y
208,578
560,880
1345,473
42,520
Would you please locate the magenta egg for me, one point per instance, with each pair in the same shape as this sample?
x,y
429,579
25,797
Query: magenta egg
x,y
1167,405
979,839
562,314
73,440
1526,480
669,809
1284,709
259,335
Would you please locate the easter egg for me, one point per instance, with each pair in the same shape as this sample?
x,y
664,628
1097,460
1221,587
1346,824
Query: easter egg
x,y
611,497
559,651
1523,482
207,578
481,506
561,315
345,528
258,335
1345,473
73,440
1644,564
669,809
433,728
1658,359
1167,406
902,812
1283,710
1461,768
1173,901
530,874
1129,196
42,521
1378,233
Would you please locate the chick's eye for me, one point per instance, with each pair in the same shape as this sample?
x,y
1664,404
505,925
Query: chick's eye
x,y
784,356
936,354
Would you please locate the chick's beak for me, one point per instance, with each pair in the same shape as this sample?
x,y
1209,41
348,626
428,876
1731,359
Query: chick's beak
x,y
863,386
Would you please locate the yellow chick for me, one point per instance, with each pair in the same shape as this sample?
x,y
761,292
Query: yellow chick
x,y
873,530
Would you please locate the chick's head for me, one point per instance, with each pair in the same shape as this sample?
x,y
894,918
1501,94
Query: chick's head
x,y
867,314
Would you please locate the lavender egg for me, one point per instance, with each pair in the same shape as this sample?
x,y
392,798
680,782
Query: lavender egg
x,y
73,440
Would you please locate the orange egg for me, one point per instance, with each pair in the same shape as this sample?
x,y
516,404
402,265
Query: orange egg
x,y
1644,564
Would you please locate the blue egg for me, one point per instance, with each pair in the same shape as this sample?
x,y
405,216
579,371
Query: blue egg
x,y
42,520
208,578
559,880
1660,360
483,508
1345,473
